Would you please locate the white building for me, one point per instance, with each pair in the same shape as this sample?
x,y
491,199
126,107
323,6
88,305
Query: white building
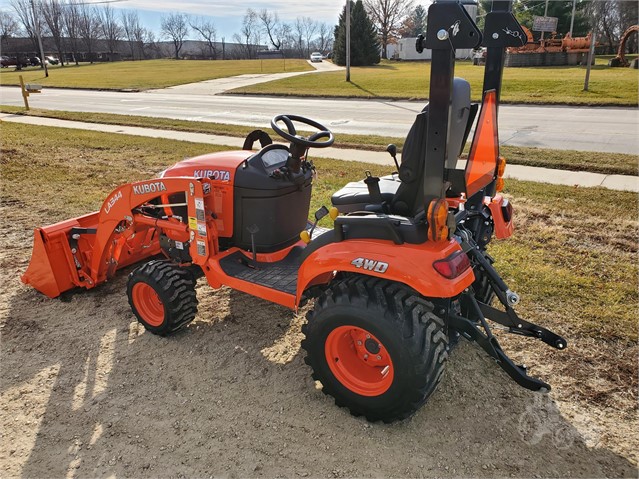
x,y
405,47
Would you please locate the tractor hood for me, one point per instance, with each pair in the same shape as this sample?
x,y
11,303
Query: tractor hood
x,y
215,166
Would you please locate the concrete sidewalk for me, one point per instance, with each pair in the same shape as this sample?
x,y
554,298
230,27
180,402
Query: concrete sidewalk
x,y
519,172
221,85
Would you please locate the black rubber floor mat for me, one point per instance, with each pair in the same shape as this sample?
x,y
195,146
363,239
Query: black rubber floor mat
x,y
281,275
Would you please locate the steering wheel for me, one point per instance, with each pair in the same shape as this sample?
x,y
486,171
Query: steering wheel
x,y
292,135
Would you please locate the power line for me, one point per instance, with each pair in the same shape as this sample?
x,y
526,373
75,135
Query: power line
x,y
65,4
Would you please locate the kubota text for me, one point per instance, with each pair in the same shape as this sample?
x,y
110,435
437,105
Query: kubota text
x,y
149,188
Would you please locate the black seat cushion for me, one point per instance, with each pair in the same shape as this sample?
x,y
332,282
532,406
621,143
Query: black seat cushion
x,y
354,196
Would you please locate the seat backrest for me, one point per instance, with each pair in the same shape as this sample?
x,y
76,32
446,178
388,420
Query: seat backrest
x,y
409,199
457,121
411,171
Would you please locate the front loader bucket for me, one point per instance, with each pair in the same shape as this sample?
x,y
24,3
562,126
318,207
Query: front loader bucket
x,y
84,252
52,269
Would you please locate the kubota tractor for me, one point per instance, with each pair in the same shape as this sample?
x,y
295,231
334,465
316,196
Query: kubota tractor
x,y
399,278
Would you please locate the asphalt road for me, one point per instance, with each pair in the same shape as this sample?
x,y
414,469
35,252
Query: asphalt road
x,y
569,128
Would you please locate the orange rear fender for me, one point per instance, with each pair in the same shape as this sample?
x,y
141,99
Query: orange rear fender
x,y
503,220
407,263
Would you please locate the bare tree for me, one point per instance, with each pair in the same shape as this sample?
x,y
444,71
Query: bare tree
x,y
248,36
607,15
272,27
150,47
130,26
387,15
309,27
297,36
415,22
324,40
139,38
287,36
206,30
71,24
176,28
89,28
9,28
52,12
111,29
24,14
610,18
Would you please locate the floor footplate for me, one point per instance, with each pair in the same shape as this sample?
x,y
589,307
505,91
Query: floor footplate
x,y
281,275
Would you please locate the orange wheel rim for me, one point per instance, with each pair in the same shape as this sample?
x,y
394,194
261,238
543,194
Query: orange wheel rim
x,y
148,304
359,361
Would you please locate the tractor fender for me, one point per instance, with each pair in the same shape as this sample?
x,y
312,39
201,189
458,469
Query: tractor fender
x,y
410,264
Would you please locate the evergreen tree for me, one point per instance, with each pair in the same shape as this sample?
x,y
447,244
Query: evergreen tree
x,y
364,41
414,24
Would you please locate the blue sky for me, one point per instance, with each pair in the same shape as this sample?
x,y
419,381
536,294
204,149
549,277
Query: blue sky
x,y
227,15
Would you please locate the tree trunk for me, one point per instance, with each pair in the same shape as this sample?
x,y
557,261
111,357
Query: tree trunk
x,y
384,45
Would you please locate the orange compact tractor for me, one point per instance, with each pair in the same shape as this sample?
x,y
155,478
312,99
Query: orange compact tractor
x,y
401,275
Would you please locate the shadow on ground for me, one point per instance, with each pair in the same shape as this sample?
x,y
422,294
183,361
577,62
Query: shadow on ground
x,y
86,392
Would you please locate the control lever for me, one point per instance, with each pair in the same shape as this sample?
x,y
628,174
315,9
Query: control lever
x,y
306,235
319,214
392,151
253,230
372,182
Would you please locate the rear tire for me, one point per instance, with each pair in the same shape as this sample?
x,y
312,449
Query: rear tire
x,y
162,296
376,346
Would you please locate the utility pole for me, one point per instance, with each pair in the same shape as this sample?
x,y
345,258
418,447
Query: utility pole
x,y
545,15
348,40
572,19
36,26
591,54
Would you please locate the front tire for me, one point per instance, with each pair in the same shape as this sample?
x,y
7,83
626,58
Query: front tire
x,y
376,346
162,296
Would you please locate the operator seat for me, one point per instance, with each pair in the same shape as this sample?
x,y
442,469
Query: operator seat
x,y
402,193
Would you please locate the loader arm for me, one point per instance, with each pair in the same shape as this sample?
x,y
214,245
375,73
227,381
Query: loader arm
x,y
86,251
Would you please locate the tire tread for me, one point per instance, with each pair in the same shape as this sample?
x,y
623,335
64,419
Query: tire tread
x,y
175,285
412,314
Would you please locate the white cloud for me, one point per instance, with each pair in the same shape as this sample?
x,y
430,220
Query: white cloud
x,y
326,11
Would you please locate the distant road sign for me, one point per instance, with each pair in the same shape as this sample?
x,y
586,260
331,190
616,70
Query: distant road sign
x,y
544,24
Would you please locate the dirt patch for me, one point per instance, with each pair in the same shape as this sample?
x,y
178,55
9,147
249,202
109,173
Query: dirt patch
x,y
86,392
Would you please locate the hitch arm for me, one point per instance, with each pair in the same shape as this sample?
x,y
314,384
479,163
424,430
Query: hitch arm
x,y
516,325
489,343
509,318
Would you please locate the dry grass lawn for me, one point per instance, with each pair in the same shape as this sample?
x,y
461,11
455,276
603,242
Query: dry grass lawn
x,y
410,80
146,74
